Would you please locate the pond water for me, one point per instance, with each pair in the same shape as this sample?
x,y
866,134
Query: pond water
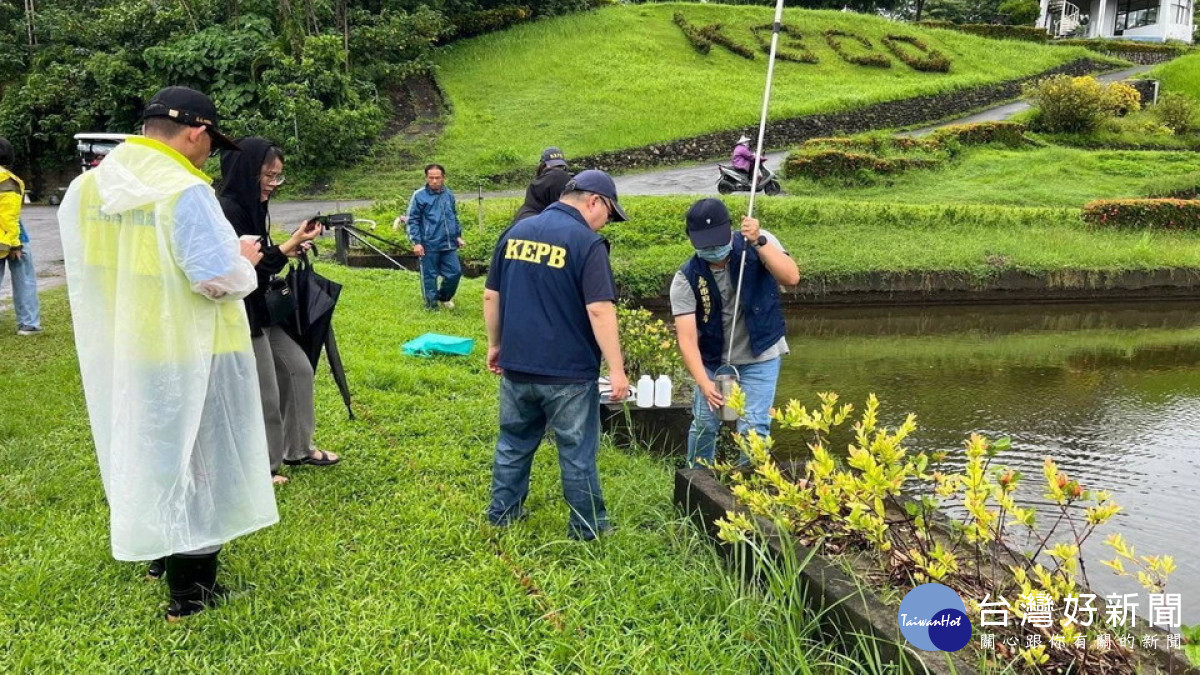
x,y
1111,392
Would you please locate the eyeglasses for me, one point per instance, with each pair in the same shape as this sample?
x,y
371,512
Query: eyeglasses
x,y
274,178
608,205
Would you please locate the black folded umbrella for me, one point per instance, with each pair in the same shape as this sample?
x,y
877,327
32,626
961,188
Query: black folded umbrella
x,y
312,325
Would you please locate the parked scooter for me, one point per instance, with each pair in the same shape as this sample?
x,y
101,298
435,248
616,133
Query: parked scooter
x,y
732,180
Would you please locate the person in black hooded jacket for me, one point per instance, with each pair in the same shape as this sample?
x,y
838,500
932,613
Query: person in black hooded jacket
x,y
285,375
547,186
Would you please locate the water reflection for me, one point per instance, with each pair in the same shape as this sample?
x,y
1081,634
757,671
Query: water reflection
x,y
1111,392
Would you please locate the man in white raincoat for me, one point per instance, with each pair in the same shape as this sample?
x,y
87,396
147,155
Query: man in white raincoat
x,y
156,274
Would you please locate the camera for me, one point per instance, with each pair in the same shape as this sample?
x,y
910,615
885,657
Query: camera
x,y
333,220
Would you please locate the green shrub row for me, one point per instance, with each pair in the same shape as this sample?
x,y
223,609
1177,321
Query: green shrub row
x,y
470,24
790,49
1145,214
1186,186
1024,33
1010,134
693,34
1125,46
870,59
714,34
848,166
930,61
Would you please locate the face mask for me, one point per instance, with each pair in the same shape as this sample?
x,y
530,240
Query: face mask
x,y
715,254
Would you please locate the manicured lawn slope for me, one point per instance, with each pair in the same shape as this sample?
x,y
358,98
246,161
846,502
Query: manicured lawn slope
x,y
383,563
1051,176
833,239
626,76
1181,75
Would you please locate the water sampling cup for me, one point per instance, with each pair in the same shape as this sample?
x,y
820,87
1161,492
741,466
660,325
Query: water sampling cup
x,y
725,381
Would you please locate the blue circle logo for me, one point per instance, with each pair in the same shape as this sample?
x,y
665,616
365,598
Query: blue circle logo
x,y
933,618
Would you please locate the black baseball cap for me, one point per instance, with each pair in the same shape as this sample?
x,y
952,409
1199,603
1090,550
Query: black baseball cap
x,y
552,156
708,224
598,182
190,107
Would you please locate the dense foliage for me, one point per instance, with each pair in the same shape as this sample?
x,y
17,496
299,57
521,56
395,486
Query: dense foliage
x,y
312,75
1159,214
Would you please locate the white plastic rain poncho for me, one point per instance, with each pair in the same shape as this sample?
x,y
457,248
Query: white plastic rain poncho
x,y
155,278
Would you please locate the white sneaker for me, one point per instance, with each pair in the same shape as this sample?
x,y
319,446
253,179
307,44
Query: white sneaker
x,y
28,330
449,304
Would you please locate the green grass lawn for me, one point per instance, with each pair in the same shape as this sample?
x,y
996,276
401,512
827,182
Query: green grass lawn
x,y
1052,177
1181,75
383,563
626,76
834,239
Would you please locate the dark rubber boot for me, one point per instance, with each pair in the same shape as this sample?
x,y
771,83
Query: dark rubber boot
x,y
192,581
157,569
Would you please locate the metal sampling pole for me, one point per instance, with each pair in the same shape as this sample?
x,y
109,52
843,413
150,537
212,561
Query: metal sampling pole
x,y
762,130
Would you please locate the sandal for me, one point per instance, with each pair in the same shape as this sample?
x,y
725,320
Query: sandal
x,y
319,459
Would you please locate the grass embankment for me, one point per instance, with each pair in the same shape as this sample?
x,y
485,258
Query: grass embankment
x,y
1052,176
626,76
1181,75
381,563
833,240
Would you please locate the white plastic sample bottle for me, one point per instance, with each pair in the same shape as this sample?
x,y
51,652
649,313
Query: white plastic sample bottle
x,y
645,392
662,392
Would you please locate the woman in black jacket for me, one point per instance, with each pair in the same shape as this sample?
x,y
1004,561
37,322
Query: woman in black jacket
x,y
285,375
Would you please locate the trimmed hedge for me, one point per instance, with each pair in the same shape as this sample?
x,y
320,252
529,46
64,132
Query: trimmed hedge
x,y
1147,214
693,34
1011,134
1142,53
1023,33
470,24
714,34
872,60
930,61
850,166
793,50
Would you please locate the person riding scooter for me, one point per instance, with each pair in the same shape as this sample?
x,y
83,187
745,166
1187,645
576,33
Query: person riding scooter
x,y
742,157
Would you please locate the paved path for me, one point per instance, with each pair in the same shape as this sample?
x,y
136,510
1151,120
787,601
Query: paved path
x,y
41,222
701,179
695,179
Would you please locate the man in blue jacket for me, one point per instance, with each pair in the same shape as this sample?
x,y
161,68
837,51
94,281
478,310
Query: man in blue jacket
x,y
702,300
436,237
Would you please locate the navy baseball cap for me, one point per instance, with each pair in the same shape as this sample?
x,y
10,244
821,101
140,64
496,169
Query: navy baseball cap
x,y
190,107
553,157
708,224
598,182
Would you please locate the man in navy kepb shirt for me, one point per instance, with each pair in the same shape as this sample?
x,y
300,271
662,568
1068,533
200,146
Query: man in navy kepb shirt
x,y
550,309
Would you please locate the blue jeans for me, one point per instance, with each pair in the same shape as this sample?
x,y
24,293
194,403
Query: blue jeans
x,y
758,381
446,265
573,412
24,285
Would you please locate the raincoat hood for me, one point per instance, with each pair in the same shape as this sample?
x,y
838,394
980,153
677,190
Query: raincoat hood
x,y
240,173
142,171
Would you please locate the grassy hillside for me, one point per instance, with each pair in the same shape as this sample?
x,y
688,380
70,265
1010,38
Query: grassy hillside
x,y
1181,75
627,76
1051,176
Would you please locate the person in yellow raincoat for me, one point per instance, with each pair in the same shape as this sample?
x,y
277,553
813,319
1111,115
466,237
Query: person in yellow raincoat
x,y
14,246
156,275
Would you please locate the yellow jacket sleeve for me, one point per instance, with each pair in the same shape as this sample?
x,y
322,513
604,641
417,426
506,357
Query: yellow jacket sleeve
x,y
10,210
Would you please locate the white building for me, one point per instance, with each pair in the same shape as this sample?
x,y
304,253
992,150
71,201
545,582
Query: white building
x,y
1148,20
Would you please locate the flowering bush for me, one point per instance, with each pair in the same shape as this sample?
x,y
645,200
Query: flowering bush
x,y
648,345
1078,104
1176,112
1122,99
856,505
